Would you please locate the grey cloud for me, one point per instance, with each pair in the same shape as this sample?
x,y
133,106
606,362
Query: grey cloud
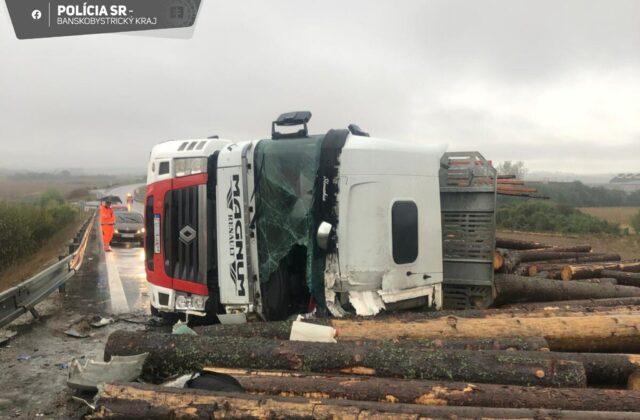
x,y
107,99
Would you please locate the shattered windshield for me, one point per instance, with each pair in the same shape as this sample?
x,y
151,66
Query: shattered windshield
x,y
285,187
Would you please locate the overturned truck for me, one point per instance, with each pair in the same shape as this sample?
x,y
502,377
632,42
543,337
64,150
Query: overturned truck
x,y
337,222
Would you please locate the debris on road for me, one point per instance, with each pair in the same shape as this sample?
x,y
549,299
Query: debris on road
x,y
119,368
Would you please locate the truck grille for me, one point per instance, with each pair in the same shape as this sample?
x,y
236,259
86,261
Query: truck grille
x,y
181,233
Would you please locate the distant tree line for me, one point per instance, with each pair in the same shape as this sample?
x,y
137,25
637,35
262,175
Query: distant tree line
x,y
577,194
24,227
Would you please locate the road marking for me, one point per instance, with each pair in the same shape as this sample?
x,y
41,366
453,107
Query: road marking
x,y
119,303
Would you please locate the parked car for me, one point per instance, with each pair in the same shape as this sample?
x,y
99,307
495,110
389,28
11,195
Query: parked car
x,y
129,228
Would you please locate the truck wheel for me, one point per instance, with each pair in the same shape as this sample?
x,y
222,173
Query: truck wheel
x,y
275,294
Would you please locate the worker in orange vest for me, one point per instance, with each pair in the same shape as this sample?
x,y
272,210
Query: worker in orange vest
x,y
107,221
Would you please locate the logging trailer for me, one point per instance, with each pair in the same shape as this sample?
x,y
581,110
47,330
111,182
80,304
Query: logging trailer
x,y
341,222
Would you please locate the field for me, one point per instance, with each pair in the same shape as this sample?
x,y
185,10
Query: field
x,y
46,255
74,187
619,215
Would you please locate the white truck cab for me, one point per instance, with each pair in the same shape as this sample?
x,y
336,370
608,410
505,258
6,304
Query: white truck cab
x,y
339,222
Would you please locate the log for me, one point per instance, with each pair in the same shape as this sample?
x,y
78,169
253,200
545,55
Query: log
x,y
519,244
498,261
514,258
633,383
600,281
624,278
311,385
510,189
573,305
570,272
126,401
557,265
279,330
175,354
597,333
513,289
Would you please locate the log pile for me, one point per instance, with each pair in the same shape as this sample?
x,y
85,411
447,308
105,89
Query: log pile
x,y
562,342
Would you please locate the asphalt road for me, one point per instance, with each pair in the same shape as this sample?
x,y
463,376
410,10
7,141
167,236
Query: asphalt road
x,y
125,268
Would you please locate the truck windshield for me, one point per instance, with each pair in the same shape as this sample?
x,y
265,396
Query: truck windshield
x,y
285,173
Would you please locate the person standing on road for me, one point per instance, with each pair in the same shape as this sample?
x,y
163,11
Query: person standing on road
x,y
107,222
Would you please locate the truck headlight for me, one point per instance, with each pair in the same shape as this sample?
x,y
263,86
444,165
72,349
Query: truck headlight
x,y
181,302
197,302
116,231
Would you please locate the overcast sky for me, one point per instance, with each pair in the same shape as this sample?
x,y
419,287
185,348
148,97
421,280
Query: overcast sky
x,y
553,83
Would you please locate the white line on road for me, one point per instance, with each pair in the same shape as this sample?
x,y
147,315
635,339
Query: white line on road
x,y
119,303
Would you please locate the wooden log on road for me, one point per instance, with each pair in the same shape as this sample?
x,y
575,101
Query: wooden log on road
x,y
513,289
174,354
535,267
280,330
312,385
514,258
574,305
571,272
623,277
498,261
519,244
127,401
600,281
597,333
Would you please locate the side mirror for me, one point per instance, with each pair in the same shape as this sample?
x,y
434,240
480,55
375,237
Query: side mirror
x,y
322,236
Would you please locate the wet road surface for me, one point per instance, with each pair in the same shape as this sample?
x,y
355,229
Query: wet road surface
x,y
127,283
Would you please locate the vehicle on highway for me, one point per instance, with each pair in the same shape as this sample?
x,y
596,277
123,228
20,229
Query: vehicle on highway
x,y
340,222
129,228
120,208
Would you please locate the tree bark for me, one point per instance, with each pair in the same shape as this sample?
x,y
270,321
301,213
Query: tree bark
x,y
514,258
585,271
279,330
518,244
534,268
513,289
624,278
174,354
126,401
600,281
432,392
597,333
574,305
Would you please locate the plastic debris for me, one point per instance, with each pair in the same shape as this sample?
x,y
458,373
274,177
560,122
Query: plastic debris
x,y
119,368
99,322
230,319
306,331
181,328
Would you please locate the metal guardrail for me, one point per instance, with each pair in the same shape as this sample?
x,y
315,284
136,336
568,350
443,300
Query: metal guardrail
x,y
23,298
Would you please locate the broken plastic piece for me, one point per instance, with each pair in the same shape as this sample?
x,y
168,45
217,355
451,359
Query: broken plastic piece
x,y
305,331
99,321
119,368
230,319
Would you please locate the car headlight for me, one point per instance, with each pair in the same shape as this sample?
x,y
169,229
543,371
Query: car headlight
x,y
142,230
115,231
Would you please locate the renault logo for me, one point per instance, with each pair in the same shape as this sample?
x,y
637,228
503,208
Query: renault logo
x,y
188,234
